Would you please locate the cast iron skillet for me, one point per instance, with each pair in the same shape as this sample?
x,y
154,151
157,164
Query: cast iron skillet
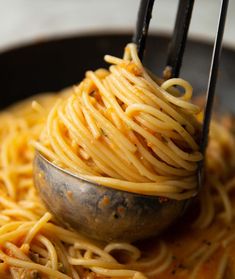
x,y
54,64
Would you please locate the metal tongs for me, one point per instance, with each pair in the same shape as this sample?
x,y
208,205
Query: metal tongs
x,y
143,216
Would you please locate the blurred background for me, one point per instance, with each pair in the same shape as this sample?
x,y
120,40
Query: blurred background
x,y
23,21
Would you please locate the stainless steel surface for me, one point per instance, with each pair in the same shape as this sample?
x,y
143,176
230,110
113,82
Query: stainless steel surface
x,y
101,212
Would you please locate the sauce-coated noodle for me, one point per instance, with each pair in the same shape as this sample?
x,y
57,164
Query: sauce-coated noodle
x,y
123,130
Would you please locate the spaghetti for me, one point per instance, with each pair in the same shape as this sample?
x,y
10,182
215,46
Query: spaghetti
x,y
123,130
34,245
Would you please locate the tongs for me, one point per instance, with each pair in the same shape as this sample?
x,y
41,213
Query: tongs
x,y
176,52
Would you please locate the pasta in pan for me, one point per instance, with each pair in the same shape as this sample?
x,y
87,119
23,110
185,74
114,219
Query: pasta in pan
x,y
34,245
